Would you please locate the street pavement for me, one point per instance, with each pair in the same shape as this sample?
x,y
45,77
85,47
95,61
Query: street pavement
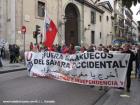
x,y
94,97
121,97
17,88
11,67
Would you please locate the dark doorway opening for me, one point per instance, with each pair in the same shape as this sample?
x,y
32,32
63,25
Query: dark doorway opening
x,y
71,24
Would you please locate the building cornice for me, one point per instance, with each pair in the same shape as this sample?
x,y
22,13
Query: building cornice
x,y
106,8
86,3
110,9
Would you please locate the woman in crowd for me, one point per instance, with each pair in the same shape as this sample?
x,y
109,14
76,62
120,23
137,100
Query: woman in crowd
x,y
71,49
64,49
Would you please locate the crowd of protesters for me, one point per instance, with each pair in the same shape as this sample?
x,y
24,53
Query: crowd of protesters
x,y
14,51
133,50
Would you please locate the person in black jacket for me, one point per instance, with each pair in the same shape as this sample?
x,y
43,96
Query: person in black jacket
x,y
130,65
12,53
17,53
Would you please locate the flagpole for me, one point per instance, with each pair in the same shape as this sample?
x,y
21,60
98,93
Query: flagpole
x,y
60,36
44,30
44,36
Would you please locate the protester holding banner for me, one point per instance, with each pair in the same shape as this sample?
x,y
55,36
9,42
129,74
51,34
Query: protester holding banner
x,y
59,48
71,49
90,49
64,49
31,46
120,49
130,65
100,48
83,49
106,50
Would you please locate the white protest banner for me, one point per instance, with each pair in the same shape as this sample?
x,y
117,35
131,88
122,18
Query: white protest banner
x,y
100,69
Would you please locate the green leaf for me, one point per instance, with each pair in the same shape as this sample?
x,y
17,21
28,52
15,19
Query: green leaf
x,y
128,3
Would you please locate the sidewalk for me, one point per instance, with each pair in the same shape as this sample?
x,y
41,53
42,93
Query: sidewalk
x,y
7,67
120,97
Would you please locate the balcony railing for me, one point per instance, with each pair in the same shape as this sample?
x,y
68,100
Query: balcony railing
x,y
119,13
128,23
128,14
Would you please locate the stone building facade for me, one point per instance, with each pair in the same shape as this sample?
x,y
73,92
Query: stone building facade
x,y
81,22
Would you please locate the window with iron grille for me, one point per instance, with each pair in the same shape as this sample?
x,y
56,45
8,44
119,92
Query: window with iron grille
x,y
100,18
41,8
92,37
107,18
93,17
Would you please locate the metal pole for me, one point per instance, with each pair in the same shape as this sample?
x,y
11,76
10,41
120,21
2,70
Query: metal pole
x,y
37,40
24,46
107,38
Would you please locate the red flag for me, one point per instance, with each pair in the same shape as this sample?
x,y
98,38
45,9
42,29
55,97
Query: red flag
x,y
51,31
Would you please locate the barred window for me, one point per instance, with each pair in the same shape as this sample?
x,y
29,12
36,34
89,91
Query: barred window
x,y
93,17
93,37
100,18
107,18
41,8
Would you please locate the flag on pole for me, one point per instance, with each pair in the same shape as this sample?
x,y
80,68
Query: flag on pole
x,y
50,32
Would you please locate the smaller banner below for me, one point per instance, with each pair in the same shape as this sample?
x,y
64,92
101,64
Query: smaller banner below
x,y
99,69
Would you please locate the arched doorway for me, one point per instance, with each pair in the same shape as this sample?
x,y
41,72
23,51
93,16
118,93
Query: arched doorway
x,y
71,24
